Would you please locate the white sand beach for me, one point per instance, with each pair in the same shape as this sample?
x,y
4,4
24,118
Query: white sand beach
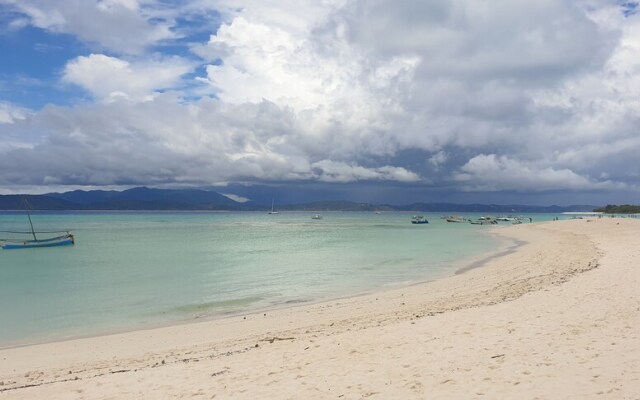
x,y
558,318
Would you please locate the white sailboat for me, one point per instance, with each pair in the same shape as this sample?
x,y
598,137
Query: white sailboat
x,y
272,210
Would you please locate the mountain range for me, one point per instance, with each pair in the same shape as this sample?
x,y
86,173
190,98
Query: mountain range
x,y
143,198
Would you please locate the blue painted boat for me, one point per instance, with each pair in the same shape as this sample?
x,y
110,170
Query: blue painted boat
x,y
66,239
419,219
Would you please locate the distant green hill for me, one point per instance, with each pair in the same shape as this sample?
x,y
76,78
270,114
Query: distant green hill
x,y
36,202
621,209
141,198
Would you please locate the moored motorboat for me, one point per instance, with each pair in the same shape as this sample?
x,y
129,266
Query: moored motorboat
x,y
419,219
484,221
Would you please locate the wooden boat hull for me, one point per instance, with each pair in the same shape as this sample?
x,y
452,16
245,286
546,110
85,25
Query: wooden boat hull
x,y
65,240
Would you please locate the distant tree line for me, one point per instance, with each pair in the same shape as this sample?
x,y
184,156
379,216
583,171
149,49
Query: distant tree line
x,y
621,209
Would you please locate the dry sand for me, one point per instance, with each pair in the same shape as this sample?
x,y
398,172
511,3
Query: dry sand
x,y
557,318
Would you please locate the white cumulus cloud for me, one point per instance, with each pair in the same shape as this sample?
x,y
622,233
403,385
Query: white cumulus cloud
x,y
493,95
489,172
108,77
10,113
332,171
123,26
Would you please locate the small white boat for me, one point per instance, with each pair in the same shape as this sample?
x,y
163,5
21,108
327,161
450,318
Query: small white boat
x,y
272,210
317,216
484,221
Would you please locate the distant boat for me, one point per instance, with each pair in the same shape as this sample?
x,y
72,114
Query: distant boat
x,y
317,216
509,218
419,219
272,210
484,221
61,240
456,218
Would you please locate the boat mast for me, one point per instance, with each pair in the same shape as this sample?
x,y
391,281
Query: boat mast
x,y
26,206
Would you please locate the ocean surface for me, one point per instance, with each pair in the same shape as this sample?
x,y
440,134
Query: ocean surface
x,y
138,269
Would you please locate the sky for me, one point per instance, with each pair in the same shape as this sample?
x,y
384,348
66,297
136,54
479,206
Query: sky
x,y
497,101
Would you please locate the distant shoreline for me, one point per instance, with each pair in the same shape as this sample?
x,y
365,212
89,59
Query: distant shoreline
x,y
280,211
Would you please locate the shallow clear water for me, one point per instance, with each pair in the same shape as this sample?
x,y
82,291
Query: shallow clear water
x,y
132,269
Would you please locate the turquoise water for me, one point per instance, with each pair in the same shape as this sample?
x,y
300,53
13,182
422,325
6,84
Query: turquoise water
x,y
130,270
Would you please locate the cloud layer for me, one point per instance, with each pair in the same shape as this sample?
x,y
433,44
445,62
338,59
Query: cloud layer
x,y
471,96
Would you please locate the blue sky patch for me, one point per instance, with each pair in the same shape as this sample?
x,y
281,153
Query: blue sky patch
x,y
629,8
